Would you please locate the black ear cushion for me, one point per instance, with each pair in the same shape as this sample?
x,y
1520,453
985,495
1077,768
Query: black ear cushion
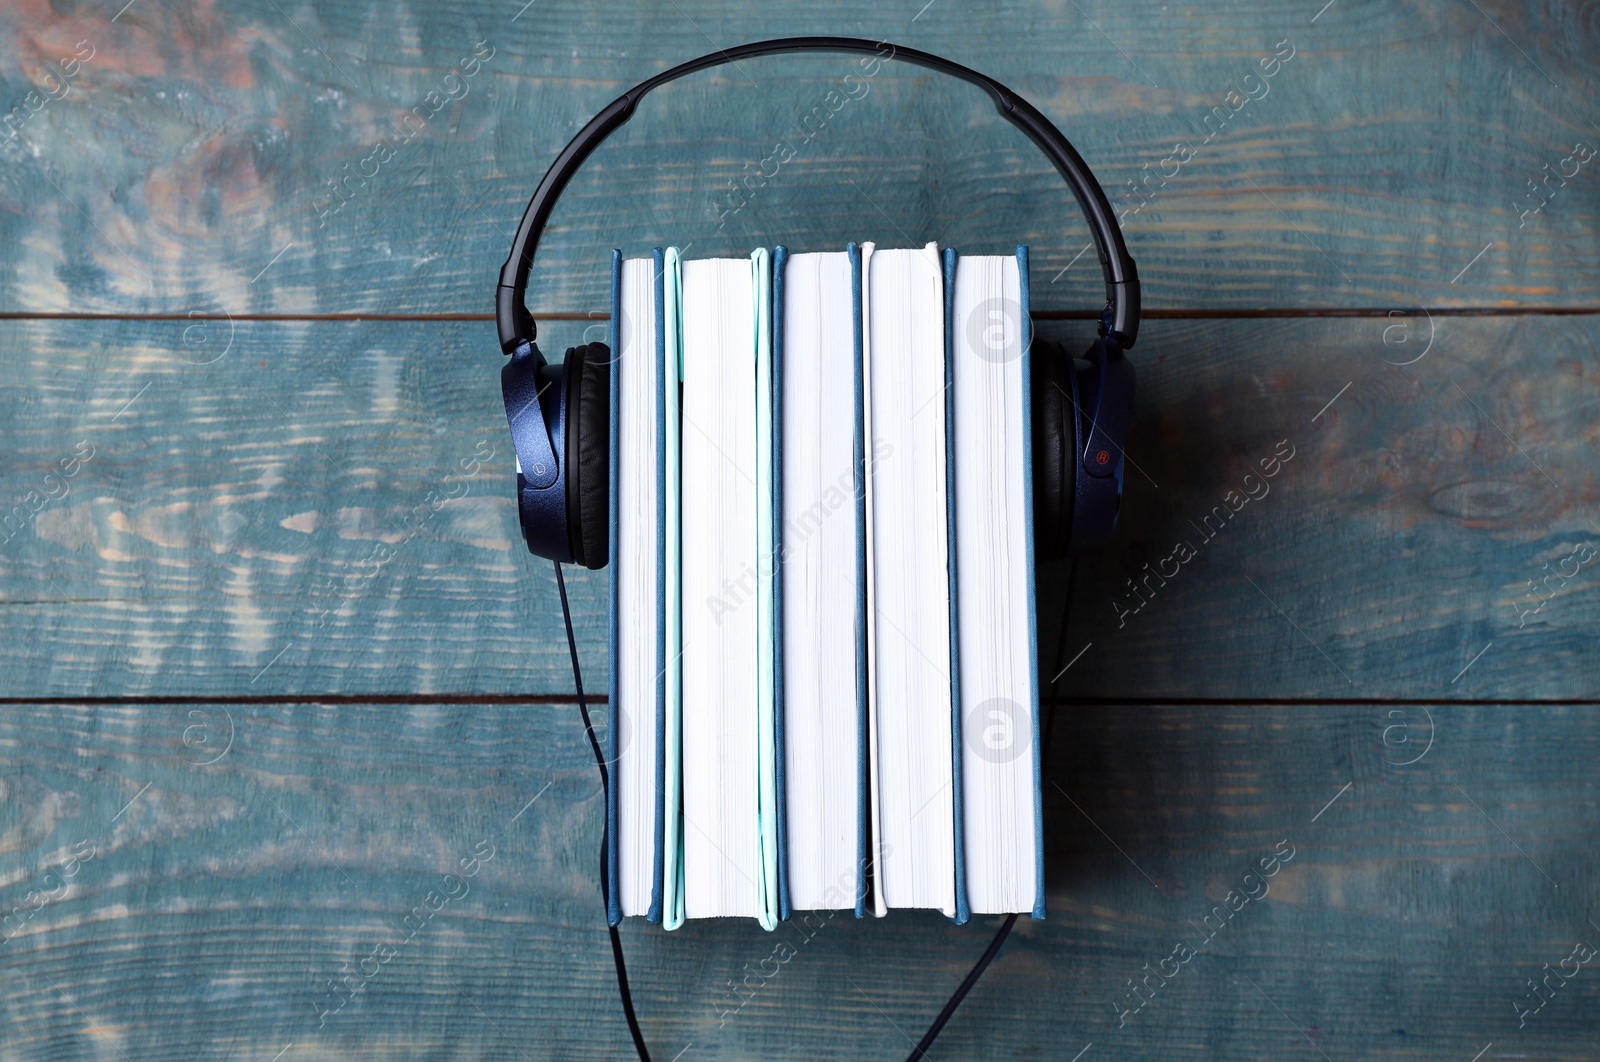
x,y
1054,443
571,384
589,425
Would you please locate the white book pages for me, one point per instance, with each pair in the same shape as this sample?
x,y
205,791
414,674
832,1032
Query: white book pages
x,y
638,577
820,592
910,612
721,838
993,634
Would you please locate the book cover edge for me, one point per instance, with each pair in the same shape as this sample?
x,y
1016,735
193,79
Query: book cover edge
x,y
1033,623
767,802
658,869
672,913
958,812
613,897
780,258
863,795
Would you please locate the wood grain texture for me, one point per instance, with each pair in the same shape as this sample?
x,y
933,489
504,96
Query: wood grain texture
x,y
192,162
326,509
263,602
221,898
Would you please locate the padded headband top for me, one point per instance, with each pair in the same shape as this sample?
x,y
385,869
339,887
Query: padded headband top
x,y
1119,321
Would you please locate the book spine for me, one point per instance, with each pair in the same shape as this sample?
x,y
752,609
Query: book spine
x,y
864,853
1033,624
672,884
613,895
780,258
766,573
957,814
658,865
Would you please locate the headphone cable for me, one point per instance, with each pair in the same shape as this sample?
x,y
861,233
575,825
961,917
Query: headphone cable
x,y
605,788
921,1050
918,1052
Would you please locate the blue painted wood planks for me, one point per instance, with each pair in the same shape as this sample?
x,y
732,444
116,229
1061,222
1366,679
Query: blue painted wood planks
x,y
289,762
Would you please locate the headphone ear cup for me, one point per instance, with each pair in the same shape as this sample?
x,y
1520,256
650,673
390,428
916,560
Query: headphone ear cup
x,y
589,454
1103,383
535,400
1055,439
571,386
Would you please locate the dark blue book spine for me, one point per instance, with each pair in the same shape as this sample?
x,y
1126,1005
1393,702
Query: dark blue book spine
x,y
658,865
613,895
864,853
1033,624
957,812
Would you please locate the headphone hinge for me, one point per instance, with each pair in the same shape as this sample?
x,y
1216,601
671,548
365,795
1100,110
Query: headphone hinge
x,y
513,320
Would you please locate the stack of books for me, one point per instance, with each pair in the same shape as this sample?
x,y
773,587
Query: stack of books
x,y
824,682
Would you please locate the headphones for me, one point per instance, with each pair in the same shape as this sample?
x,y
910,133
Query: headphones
x,y
560,414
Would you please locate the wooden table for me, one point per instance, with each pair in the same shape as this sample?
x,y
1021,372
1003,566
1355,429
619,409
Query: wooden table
x,y
262,697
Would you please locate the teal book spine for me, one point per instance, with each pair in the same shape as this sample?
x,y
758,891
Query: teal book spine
x,y
766,572
780,258
672,902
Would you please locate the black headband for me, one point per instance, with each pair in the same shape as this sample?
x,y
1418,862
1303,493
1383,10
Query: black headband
x,y
1120,319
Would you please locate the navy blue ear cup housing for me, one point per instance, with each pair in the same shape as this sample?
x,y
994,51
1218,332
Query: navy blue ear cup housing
x,y
560,428
1081,410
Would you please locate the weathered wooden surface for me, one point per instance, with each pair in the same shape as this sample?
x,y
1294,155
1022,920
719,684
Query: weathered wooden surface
x,y
261,524
223,896
263,600
191,162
